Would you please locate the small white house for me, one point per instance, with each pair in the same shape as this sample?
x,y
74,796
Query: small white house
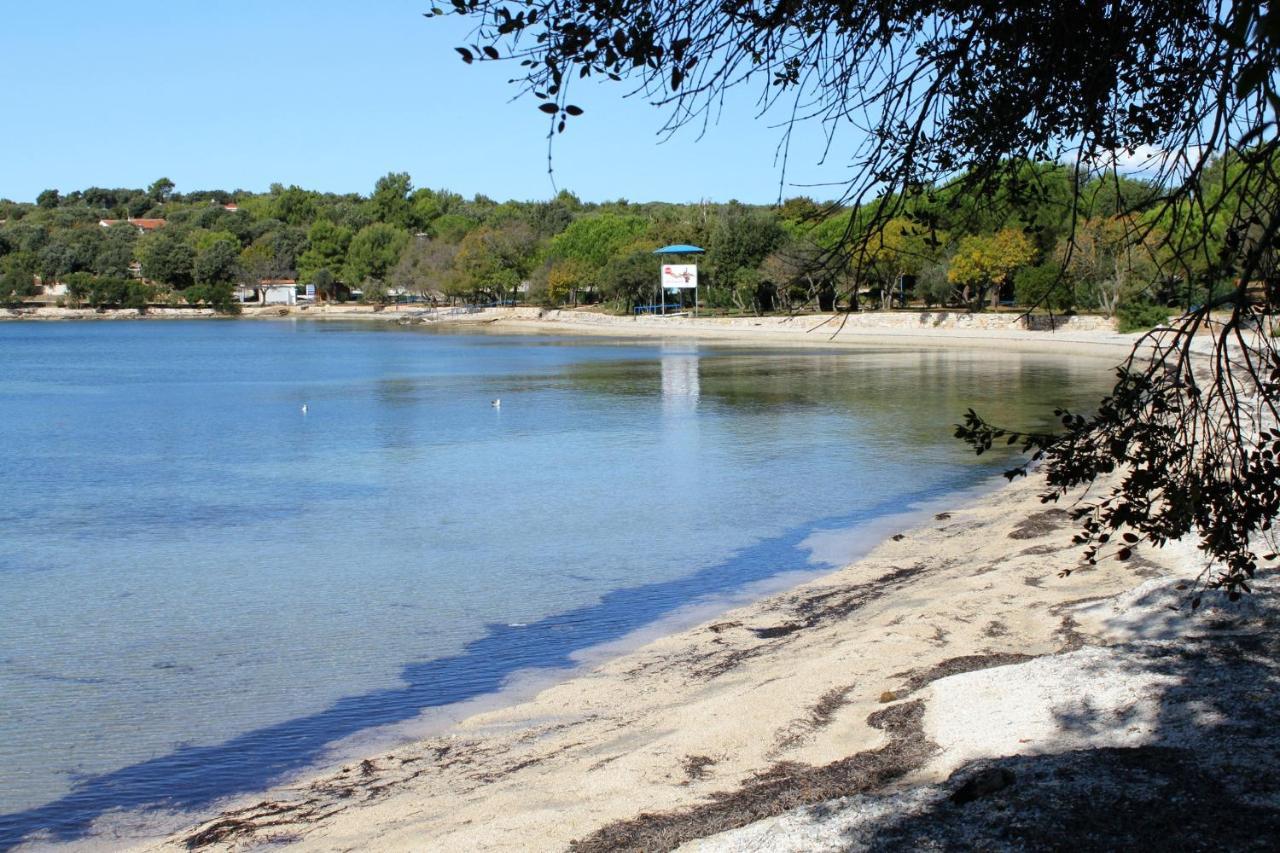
x,y
279,294
269,291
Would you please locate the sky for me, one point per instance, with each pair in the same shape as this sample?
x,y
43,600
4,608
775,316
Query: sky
x,y
331,95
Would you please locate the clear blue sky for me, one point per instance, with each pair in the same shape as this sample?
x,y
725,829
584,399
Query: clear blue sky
x,y
330,94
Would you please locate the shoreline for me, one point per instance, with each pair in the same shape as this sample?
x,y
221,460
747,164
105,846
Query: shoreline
x,y
943,328
526,689
675,690
830,546
783,679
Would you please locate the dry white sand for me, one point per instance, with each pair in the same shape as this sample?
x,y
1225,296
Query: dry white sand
x,y
1073,335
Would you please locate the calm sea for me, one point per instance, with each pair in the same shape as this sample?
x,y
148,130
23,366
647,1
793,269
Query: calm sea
x,y
202,587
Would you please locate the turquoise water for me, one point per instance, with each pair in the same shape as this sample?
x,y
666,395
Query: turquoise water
x,y
201,586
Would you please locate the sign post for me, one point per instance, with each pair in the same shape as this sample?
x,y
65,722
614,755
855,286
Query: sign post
x,y
679,276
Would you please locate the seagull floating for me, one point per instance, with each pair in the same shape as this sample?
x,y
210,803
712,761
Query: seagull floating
x,y
304,408
497,404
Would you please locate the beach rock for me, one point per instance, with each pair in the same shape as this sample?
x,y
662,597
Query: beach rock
x,y
982,783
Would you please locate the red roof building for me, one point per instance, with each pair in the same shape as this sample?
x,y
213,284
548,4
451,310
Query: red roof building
x,y
143,225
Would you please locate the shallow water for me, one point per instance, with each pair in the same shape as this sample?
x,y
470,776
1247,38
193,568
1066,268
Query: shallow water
x,y
201,586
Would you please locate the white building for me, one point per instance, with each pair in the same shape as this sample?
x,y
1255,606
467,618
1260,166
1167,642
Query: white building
x,y
269,291
279,293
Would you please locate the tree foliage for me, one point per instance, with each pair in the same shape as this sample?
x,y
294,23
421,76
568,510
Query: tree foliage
x,y
390,200
327,244
986,261
425,268
108,291
740,240
799,276
566,278
168,258
948,111
292,232
594,240
1045,284
18,272
218,263
216,295
374,251
1117,260
496,260
630,279
116,251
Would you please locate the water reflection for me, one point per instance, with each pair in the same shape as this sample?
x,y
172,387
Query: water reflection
x,y
680,384
906,395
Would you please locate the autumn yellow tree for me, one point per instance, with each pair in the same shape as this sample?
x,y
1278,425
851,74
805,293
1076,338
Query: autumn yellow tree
x,y
566,279
985,263
900,248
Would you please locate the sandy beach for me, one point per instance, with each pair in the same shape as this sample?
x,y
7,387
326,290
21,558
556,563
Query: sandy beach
x,y
937,328
814,718
820,691
859,434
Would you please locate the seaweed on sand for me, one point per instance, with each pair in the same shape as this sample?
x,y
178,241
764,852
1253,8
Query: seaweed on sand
x,y
784,786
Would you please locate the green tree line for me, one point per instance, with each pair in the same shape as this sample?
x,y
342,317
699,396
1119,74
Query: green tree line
x,y
1049,243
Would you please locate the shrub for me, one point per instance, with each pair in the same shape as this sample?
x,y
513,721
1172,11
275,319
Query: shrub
x,y
1140,316
108,291
17,277
1045,285
933,287
630,280
219,297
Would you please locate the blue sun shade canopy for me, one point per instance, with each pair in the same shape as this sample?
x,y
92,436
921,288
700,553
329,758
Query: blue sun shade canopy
x,y
679,249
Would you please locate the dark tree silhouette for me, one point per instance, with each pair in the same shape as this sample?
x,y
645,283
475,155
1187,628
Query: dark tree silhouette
x,y
946,99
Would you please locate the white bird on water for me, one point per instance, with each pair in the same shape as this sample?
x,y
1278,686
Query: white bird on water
x,y
304,408
497,404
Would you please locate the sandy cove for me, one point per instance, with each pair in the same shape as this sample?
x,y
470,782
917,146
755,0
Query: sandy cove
x,y
863,710
938,328
813,693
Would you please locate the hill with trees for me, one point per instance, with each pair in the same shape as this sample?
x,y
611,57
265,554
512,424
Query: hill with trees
x,y
131,247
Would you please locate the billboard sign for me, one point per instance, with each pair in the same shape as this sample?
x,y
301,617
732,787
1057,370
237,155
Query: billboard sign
x,y
679,276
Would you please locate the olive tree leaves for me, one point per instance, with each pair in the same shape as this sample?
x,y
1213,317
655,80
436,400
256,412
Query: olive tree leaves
x,y
1186,443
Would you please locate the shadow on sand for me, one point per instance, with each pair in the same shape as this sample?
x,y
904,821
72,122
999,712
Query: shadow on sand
x,y
1206,777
